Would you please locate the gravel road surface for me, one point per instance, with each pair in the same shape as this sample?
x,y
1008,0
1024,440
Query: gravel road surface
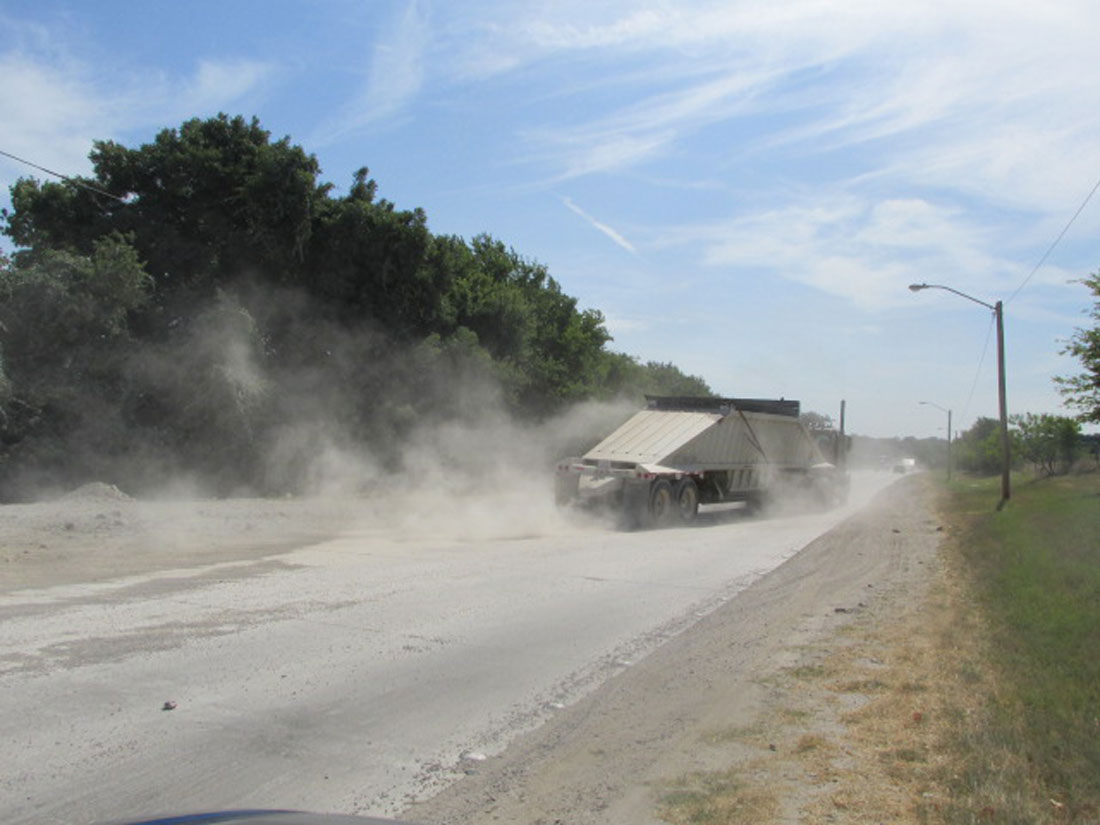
x,y
708,703
356,674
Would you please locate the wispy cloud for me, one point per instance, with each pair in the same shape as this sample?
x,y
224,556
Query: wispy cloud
x,y
602,227
646,130
217,82
620,325
393,78
50,115
56,102
863,252
940,94
54,110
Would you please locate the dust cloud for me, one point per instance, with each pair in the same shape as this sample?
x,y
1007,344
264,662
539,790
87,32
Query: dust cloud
x,y
492,477
340,427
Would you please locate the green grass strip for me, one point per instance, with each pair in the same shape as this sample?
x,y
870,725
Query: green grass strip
x,y
1036,573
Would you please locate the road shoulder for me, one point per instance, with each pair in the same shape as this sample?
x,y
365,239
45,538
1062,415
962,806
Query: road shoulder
x,y
711,698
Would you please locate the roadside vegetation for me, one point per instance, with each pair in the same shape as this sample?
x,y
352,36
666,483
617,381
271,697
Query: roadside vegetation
x,y
977,701
205,302
1034,570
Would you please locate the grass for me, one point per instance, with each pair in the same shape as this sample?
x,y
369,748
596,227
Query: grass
x,y
810,742
808,672
984,702
1034,570
735,733
720,798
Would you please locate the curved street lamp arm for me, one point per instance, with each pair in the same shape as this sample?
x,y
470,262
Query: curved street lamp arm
x,y
937,406
919,287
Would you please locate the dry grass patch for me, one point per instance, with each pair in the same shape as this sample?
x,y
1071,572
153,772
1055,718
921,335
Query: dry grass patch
x,y
952,688
722,798
915,667
810,742
735,733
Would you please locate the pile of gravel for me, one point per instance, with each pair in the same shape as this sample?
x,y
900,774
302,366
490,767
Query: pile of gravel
x,y
96,491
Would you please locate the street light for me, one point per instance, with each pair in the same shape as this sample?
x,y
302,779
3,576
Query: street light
x,y
998,313
941,409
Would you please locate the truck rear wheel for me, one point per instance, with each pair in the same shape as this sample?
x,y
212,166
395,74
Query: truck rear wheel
x,y
660,503
687,500
565,489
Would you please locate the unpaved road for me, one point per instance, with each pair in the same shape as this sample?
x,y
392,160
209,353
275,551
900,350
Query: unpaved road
x,y
357,674
736,703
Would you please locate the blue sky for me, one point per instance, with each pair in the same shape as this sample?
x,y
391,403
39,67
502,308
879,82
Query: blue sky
x,y
744,189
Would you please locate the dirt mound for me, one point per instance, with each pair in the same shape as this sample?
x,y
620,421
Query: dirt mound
x,y
96,491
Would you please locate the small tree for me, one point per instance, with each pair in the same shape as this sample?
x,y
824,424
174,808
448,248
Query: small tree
x,y
979,448
1082,392
64,345
817,421
1046,440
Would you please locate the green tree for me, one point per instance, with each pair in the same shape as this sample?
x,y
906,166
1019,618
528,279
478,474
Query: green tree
x,y
622,375
204,203
267,299
978,450
1046,440
1082,392
368,259
817,421
660,378
65,340
549,351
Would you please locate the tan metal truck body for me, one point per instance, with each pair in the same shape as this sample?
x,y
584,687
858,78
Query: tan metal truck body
x,y
678,453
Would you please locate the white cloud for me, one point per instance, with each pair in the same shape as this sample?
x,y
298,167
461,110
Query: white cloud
x,y
905,141
218,82
55,103
863,252
602,227
393,79
644,131
997,102
50,115
619,325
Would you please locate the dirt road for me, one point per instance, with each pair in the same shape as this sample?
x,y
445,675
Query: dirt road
x,y
691,706
367,672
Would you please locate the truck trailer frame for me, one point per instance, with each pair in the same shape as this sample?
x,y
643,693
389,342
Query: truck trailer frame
x,y
680,452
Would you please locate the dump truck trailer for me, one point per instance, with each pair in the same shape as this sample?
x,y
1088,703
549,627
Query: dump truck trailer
x,y
680,452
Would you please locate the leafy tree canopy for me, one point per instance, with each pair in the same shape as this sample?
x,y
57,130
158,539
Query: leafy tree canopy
x,y
817,421
1082,391
979,448
1047,441
226,295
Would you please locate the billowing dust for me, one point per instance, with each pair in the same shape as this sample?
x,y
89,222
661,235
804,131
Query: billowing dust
x,y
489,479
460,481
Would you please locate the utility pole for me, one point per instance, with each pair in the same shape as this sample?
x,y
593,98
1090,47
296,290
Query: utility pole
x,y
1006,456
1002,402
949,445
840,449
944,409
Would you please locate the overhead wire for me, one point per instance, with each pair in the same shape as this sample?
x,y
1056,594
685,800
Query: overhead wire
x,y
1042,260
1057,240
66,178
978,372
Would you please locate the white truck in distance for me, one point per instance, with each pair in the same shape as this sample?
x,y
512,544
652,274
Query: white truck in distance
x,y
680,452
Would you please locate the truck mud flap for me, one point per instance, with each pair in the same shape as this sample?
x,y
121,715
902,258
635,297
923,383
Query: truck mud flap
x,y
635,505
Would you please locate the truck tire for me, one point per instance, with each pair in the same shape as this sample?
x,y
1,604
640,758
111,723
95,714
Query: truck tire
x,y
565,489
635,506
756,502
687,500
661,503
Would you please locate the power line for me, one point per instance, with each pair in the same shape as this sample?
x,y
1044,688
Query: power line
x,y
978,372
1057,240
65,178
